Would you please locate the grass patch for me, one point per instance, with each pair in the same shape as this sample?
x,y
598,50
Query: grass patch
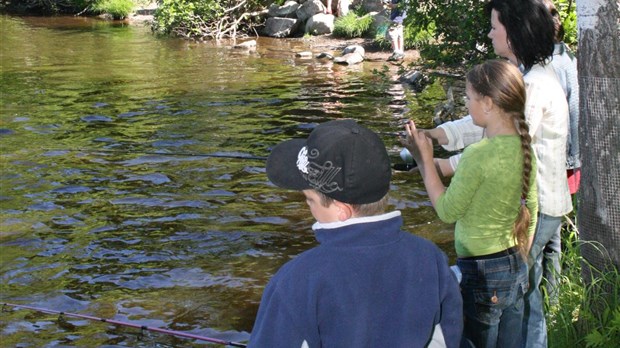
x,y
352,25
588,311
118,9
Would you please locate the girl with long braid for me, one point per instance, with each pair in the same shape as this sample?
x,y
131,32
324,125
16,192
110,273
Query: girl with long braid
x,y
493,200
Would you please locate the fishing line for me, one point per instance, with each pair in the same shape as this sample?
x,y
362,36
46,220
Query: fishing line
x,y
188,154
180,154
122,323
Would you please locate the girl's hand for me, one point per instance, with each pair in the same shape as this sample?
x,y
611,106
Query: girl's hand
x,y
420,145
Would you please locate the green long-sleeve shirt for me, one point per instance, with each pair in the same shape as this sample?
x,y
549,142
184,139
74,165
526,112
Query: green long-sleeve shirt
x,y
484,196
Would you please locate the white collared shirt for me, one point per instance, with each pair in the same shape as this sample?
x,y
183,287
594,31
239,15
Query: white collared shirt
x,y
546,113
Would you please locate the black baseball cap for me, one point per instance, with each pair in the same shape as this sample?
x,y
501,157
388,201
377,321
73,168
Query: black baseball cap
x,y
342,159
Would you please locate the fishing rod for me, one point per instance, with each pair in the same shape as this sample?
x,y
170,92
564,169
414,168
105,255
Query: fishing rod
x,y
182,154
122,323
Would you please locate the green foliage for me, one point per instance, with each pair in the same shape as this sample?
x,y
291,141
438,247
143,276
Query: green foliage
x,y
204,18
352,25
172,14
588,310
566,8
609,334
458,29
47,7
118,9
417,37
414,37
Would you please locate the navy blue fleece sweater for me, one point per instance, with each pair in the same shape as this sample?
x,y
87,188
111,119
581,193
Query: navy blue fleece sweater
x,y
368,284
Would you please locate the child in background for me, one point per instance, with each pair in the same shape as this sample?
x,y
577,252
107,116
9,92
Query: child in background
x,y
492,198
368,283
395,32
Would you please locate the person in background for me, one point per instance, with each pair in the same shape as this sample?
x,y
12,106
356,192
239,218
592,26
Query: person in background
x,y
367,283
522,31
342,7
492,198
328,6
396,31
565,65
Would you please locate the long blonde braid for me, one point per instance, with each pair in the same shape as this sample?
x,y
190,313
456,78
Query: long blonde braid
x,y
523,218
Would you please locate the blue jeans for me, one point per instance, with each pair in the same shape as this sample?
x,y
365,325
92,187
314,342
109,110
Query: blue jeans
x,y
534,324
551,265
493,293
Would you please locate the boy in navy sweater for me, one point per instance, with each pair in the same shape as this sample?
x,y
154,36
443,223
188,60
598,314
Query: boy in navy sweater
x,y
368,284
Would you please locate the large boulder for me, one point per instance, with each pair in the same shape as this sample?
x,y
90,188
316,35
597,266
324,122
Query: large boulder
x,y
320,24
287,10
309,9
280,27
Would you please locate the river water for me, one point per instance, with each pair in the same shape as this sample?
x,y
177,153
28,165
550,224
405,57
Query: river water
x,y
132,185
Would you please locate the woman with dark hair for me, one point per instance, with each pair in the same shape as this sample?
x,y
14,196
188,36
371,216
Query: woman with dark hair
x,y
522,31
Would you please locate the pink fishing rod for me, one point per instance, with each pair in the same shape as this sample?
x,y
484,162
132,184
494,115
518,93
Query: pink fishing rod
x,y
122,323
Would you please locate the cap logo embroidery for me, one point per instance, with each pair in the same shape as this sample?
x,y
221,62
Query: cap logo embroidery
x,y
302,160
320,177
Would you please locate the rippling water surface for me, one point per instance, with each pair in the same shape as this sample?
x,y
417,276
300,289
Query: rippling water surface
x,y
132,185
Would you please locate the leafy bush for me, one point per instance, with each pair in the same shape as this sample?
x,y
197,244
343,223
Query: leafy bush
x,y
47,6
566,8
461,27
458,29
205,18
352,25
118,9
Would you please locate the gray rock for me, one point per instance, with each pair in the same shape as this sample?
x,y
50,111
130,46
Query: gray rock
x,y
412,77
324,55
309,9
304,54
280,27
287,10
349,59
354,48
320,24
246,45
372,5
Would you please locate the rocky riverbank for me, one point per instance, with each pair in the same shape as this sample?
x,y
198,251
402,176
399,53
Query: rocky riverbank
x,y
408,71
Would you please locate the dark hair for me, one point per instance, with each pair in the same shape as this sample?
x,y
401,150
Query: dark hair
x,y
529,27
503,83
557,22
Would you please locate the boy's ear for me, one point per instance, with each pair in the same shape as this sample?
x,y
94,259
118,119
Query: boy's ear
x,y
345,211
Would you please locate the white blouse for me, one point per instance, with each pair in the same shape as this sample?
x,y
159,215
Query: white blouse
x,y
546,113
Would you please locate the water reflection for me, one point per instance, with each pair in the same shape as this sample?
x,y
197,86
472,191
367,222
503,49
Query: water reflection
x,y
133,185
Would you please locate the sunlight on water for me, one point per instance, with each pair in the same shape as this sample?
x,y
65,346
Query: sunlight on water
x,y
133,184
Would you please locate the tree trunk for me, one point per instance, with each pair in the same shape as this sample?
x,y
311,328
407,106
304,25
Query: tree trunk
x,y
598,215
